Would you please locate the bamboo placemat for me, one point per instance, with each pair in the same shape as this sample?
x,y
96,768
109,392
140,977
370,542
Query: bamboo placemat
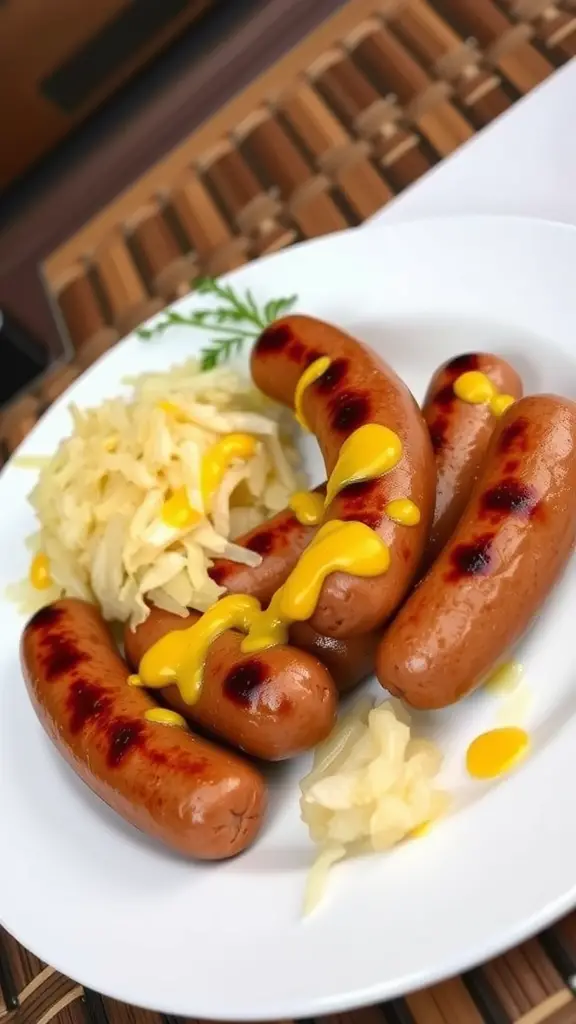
x,y
379,94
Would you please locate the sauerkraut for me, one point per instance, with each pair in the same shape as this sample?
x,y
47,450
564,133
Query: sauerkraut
x,y
371,785
102,499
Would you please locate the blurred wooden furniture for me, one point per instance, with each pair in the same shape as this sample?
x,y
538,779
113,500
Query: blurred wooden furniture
x,y
59,59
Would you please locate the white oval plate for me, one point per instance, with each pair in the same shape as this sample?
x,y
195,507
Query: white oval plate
x,y
103,904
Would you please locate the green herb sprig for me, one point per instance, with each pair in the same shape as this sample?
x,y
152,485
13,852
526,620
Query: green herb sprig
x,y
236,320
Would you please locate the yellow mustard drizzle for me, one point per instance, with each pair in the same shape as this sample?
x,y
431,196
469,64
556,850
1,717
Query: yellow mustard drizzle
x,y
477,389
311,373
421,830
308,507
514,708
338,546
164,716
368,453
500,403
495,752
39,574
171,409
179,656
218,459
403,511
178,512
505,678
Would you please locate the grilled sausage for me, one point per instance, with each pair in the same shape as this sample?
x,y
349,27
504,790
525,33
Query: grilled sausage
x,y
280,541
460,433
274,705
508,550
199,800
347,661
356,389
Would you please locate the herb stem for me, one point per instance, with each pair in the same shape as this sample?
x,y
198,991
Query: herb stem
x,y
224,320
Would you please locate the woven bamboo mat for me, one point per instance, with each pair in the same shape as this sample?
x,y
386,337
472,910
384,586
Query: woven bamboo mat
x,y
378,95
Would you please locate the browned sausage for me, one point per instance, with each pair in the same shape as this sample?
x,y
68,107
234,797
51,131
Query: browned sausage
x,y
280,541
347,661
198,799
460,433
508,550
274,705
356,389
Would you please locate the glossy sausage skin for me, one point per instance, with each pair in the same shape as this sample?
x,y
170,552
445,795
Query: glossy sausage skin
x,y
200,800
490,580
357,388
280,541
460,434
273,705
348,661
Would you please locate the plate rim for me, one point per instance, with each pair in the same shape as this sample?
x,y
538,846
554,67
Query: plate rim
x,y
378,991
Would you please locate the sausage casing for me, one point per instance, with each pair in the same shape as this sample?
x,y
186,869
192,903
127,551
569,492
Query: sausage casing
x,y
460,433
357,388
200,800
489,581
274,704
279,541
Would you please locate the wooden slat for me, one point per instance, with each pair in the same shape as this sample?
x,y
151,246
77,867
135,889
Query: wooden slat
x,y
55,382
371,1015
426,103
120,1013
168,271
46,996
254,212
8,988
334,152
123,286
305,192
445,55
216,247
527,984
555,27
364,110
82,311
506,45
446,1003
17,421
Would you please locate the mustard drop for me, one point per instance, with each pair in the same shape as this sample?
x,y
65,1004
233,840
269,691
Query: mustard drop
x,y
164,716
179,656
338,546
505,678
178,512
403,511
308,507
134,680
39,574
421,830
500,403
368,453
474,387
218,459
171,409
311,373
495,752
